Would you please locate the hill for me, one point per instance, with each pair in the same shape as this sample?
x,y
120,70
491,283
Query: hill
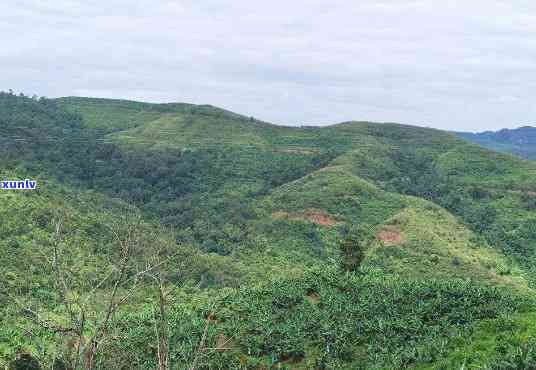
x,y
520,141
372,245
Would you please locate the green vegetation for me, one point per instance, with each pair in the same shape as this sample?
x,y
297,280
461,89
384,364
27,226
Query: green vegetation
x,y
174,235
520,141
326,319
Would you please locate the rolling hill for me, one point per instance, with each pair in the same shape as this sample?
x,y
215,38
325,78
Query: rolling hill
x,y
357,245
520,141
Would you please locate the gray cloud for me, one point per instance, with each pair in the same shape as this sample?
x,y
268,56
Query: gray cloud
x,y
450,64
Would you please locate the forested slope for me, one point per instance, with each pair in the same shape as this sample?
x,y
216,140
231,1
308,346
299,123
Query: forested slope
x,y
355,245
520,141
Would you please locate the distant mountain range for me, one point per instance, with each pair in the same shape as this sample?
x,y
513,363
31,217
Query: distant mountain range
x,y
520,141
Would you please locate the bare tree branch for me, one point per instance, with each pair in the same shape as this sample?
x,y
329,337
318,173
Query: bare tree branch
x,y
201,347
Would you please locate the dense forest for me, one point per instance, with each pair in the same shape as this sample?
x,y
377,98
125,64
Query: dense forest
x,y
179,236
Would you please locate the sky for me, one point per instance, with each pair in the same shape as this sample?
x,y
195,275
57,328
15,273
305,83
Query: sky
x,y
459,65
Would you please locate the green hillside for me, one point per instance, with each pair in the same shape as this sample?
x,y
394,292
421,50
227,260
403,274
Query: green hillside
x,y
358,245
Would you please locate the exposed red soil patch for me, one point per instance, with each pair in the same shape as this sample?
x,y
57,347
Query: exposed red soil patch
x,y
320,219
314,216
391,236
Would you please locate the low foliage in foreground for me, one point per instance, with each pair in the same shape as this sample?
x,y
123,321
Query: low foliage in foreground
x,y
326,319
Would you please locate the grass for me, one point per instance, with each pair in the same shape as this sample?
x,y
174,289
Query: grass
x,y
436,245
502,343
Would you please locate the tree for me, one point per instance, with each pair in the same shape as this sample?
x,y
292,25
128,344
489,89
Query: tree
x,y
89,313
352,247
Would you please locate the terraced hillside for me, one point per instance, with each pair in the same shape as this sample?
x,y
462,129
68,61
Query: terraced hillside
x,y
358,245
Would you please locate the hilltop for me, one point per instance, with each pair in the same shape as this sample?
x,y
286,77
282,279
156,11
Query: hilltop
x,y
520,141
361,244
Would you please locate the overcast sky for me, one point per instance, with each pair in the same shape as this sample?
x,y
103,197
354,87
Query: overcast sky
x,y
459,65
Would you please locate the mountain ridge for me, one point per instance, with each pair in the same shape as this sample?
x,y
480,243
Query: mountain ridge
x,y
283,239
520,141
